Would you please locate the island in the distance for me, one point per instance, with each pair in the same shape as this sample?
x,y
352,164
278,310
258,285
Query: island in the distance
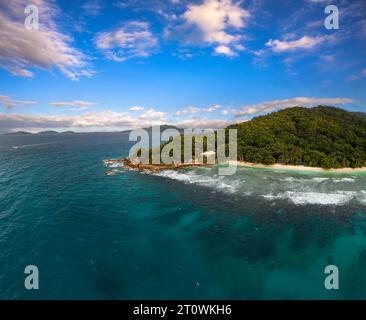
x,y
50,132
18,133
317,139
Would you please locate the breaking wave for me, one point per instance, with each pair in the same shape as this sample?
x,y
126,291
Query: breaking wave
x,y
113,165
299,190
31,145
319,198
190,177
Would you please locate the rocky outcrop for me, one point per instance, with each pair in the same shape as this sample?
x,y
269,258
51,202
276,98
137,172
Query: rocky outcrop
x,y
127,163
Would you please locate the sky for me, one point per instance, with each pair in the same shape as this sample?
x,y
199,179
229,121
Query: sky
x,y
93,65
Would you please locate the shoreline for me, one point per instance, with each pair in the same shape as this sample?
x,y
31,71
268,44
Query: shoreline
x,y
125,162
279,166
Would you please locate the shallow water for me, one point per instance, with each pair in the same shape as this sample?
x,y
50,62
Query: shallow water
x,y
187,234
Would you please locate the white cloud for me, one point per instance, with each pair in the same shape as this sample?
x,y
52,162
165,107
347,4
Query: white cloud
x,y
10,103
134,39
21,50
90,121
213,108
225,50
153,114
288,103
202,123
306,42
20,72
92,8
99,121
328,57
362,74
78,103
218,22
137,108
187,111
194,110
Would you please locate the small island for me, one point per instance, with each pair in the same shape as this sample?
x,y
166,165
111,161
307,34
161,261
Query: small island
x,y
47,132
314,139
18,133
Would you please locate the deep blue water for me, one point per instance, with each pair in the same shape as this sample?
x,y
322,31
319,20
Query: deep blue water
x,y
176,235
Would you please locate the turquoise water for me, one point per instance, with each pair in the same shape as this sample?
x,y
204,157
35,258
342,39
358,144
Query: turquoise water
x,y
189,234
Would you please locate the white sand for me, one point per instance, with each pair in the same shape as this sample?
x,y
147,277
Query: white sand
x,y
296,168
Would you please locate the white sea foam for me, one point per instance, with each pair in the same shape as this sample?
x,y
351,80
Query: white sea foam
x,y
175,175
319,198
113,165
361,197
299,191
289,179
305,180
31,145
344,180
319,179
215,182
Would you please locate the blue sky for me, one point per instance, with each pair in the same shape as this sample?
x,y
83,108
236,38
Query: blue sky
x,y
94,65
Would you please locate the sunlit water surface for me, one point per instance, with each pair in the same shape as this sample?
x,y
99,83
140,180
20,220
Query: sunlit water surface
x,y
187,234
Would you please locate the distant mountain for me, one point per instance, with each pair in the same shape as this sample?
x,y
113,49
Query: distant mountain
x,y
18,133
323,136
165,127
68,132
162,128
48,132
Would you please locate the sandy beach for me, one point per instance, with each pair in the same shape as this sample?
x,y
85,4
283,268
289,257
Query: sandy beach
x,y
278,166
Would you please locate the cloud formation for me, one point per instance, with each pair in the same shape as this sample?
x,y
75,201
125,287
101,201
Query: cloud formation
x,y
133,39
194,110
91,121
10,103
287,103
116,121
137,108
97,121
78,103
305,42
22,50
153,114
218,22
358,76
202,123
187,111
213,108
225,50
92,7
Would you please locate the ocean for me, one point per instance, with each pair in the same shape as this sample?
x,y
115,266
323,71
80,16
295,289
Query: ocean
x,y
186,234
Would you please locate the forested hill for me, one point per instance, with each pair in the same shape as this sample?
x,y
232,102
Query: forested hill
x,y
322,136
361,114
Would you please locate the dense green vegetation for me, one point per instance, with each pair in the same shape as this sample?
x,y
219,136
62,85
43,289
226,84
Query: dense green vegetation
x,y
323,136
361,114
